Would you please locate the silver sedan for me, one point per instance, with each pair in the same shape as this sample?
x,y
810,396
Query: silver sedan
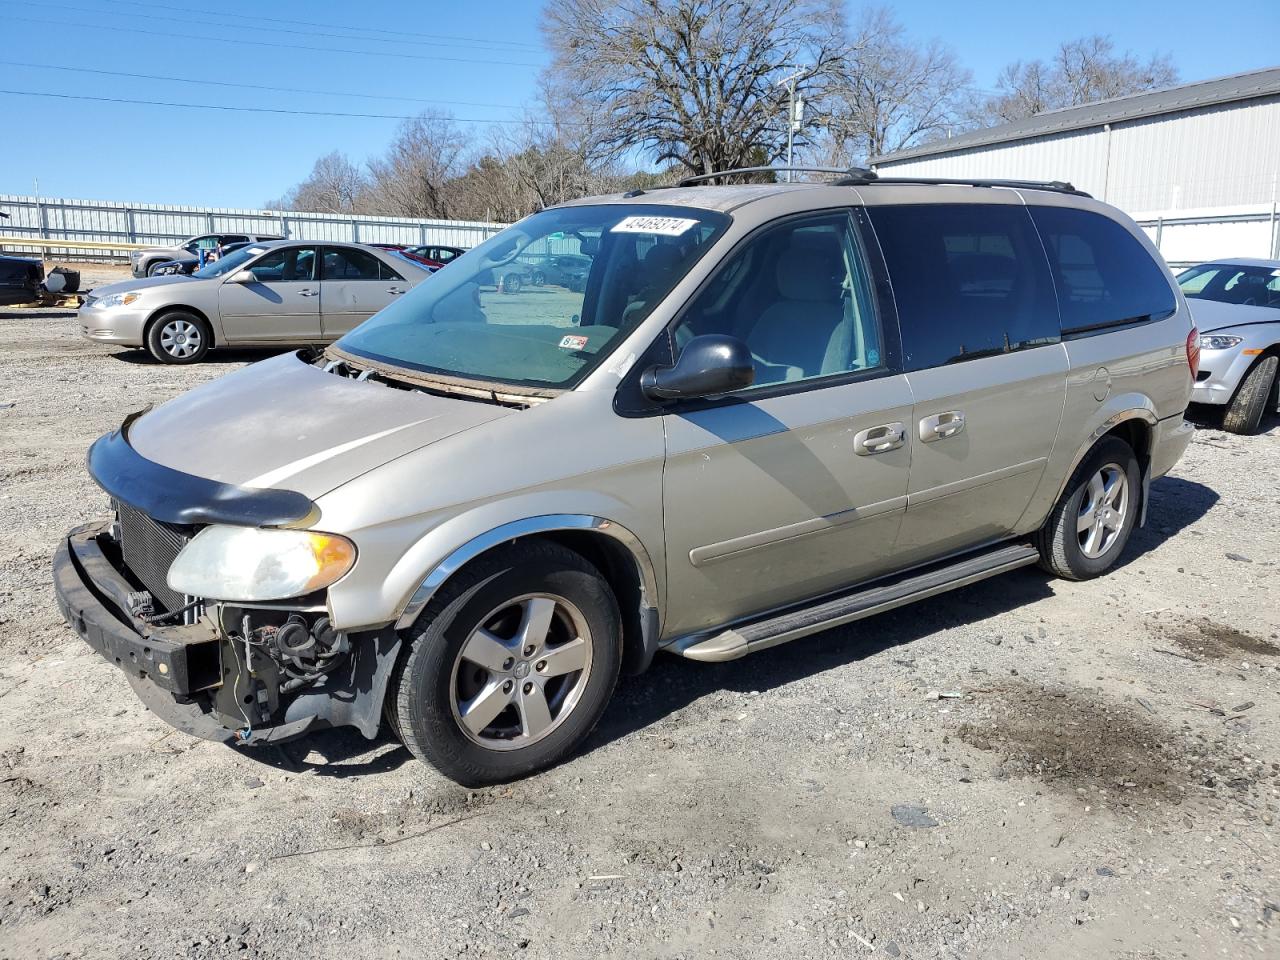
x,y
275,292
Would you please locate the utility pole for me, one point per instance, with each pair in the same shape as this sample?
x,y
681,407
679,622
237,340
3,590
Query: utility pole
x,y
795,112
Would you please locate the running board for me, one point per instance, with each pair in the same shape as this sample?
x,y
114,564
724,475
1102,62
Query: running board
x,y
761,634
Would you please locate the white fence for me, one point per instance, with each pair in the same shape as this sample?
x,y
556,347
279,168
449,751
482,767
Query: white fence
x,y
99,221
1186,237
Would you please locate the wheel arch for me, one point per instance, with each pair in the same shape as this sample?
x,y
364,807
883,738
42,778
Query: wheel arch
x,y
1134,422
618,553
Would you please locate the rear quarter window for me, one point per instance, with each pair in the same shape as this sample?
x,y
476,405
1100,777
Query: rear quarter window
x,y
969,281
1104,276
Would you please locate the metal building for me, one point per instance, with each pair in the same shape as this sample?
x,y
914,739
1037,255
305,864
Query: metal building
x,y
1198,165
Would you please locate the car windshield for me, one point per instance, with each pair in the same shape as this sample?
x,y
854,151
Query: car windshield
x,y
226,264
1251,285
495,316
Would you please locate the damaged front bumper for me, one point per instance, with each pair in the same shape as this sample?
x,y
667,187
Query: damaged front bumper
x,y
196,677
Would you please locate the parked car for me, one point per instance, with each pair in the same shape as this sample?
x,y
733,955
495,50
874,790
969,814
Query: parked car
x,y
406,251
568,270
1236,305
21,280
438,254
144,262
189,263
276,292
776,408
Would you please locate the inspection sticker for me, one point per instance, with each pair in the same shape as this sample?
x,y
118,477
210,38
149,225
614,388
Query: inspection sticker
x,y
573,343
662,226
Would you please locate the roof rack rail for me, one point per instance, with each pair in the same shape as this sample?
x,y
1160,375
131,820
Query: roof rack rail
x,y
844,171
1059,186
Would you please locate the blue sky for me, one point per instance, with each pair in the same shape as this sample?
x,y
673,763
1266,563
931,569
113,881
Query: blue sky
x,y
484,54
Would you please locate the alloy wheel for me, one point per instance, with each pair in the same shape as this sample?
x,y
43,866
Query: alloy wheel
x,y
1103,510
521,672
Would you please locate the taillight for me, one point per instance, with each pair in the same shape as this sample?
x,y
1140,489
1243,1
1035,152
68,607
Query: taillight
x,y
1193,352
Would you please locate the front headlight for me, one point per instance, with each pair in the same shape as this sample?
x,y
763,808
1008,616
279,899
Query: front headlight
x,y
117,300
248,563
1210,342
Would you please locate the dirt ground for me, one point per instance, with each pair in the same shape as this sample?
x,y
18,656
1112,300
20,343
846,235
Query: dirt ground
x,y
1026,767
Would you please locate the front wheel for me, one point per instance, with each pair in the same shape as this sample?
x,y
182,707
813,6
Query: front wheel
x,y
179,337
1244,412
538,279
511,667
1091,523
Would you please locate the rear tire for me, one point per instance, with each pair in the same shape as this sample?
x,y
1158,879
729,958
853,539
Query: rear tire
x,y
179,337
1087,531
1244,412
511,666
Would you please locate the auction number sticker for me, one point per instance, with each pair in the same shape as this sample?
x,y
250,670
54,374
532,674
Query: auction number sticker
x,y
573,343
662,226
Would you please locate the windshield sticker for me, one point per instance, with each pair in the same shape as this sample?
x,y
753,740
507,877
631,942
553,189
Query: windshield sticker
x,y
573,343
662,226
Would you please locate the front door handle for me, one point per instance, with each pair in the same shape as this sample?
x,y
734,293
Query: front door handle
x,y
308,293
394,290
941,425
887,436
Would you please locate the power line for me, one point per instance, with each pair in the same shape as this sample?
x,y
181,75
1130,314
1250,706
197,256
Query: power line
x,y
255,86
286,46
239,109
427,37
203,19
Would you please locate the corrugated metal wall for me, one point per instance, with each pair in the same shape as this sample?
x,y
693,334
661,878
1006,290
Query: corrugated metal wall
x,y
1227,155
111,222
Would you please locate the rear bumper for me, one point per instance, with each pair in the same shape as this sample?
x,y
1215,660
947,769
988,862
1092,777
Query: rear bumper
x,y
1172,435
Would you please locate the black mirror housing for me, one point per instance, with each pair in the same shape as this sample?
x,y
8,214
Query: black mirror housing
x,y
708,365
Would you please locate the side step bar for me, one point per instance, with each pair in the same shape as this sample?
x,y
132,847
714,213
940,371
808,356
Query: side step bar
x,y
791,625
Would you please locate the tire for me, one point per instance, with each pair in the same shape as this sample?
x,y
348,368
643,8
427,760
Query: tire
x,y
550,595
538,279
179,337
151,267
1244,412
511,283
1064,543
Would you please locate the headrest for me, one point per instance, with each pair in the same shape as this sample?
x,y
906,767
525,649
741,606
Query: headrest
x,y
661,260
809,272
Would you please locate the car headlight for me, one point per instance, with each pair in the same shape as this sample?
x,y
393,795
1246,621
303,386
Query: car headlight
x,y
1219,343
249,563
117,300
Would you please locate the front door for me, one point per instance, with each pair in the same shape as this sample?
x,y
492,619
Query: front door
x,y
796,486
353,287
282,304
981,346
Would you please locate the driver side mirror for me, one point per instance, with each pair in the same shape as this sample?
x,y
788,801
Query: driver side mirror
x,y
708,365
242,276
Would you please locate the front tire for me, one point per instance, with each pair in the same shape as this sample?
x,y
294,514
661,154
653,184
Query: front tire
x,y
179,337
1087,531
511,666
1244,412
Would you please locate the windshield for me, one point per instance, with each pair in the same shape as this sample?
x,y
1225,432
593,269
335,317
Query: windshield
x,y
498,315
229,263
1248,285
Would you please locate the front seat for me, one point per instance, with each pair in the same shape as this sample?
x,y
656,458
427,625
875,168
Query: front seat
x,y
802,333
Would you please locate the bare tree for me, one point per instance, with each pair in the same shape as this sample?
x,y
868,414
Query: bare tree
x,y
410,180
1082,71
692,81
335,185
892,93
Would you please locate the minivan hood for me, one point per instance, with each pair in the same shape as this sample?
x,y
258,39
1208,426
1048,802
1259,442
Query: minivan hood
x,y
285,424
124,286
1212,315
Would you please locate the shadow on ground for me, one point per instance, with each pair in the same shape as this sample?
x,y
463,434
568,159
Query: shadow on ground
x,y
222,355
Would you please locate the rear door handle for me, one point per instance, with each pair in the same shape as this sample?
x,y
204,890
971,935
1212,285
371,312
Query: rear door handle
x,y
308,293
394,290
887,436
941,425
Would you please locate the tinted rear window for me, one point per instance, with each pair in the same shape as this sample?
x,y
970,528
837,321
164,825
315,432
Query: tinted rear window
x,y
1104,275
969,280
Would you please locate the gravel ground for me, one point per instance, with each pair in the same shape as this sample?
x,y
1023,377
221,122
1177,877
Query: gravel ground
x,y
1023,767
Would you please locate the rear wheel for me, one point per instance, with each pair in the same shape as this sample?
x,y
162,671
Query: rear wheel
x,y
511,283
1244,412
179,337
511,667
538,278
1091,523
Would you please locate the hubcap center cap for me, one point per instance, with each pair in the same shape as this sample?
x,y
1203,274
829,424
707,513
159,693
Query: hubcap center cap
x,y
522,670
